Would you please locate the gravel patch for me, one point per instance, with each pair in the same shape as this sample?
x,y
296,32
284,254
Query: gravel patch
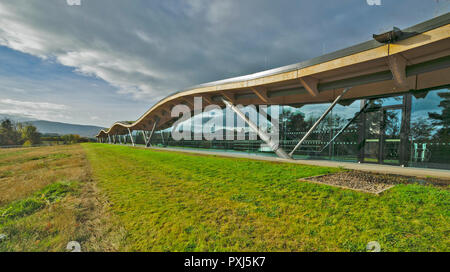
x,y
370,182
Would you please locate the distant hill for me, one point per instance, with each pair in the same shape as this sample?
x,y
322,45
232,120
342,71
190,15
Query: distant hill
x,y
47,127
63,128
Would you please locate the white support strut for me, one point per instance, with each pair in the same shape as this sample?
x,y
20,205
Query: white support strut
x,y
318,121
265,137
131,136
144,135
149,141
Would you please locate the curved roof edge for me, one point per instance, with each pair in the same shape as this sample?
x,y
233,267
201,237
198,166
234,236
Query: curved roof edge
x,y
358,48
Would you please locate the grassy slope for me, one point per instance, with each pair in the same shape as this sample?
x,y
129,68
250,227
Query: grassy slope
x,y
25,170
178,202
48,199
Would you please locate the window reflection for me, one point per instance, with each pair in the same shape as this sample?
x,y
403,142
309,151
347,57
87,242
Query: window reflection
x,y
384,133
387,101
430,129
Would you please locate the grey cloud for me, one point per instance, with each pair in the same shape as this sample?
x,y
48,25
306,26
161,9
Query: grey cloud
x,y
151,48
32,109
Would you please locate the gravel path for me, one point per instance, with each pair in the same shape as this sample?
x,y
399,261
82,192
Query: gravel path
x,y
370,182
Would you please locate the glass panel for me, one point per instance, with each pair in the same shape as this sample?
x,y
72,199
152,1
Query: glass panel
x,y
388,101
297,122
391,143
345,146
372,136
318,145
430,130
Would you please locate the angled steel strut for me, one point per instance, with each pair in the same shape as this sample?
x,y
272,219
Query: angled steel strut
x,y
144,135
149,143
347,125
264,136
131,136
318,121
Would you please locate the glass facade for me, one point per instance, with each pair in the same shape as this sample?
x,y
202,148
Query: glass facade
x,y
411,129
430,129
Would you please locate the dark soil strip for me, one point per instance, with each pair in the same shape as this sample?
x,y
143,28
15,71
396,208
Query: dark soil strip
x,y
371,182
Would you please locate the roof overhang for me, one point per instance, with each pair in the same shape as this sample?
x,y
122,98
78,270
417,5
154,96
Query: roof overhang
x,y
419,58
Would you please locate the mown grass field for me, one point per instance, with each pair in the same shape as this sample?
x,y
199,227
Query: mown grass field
x,y
178,202
118,198
47,198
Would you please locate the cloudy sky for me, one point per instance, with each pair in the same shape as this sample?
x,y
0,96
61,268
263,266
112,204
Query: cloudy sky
x,y
108,60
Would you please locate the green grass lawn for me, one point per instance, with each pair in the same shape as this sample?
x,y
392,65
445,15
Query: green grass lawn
x,y
171,201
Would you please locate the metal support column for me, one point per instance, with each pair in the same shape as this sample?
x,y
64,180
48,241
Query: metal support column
x,y
265,137
318,121
405,130
361,132
131,136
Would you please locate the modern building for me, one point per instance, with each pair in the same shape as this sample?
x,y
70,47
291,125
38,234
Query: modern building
x,y
383,101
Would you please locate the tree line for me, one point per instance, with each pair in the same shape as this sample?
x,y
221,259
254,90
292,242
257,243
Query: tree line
x,y
25,134
12,133
65,139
